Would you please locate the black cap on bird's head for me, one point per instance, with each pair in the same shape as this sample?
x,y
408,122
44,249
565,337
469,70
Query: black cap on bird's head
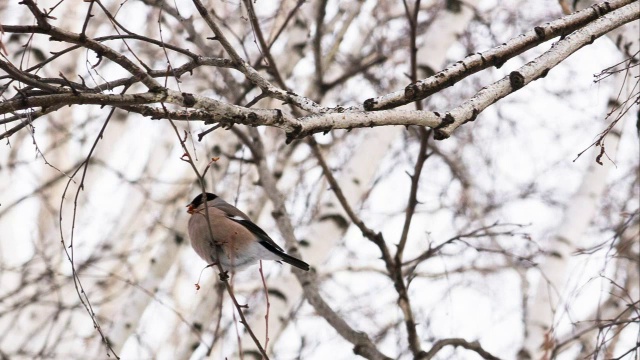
x,y
197,201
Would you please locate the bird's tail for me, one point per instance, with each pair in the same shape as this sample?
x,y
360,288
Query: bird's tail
x,y
294,262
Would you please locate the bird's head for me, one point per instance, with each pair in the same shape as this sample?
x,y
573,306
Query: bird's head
x,y
199,200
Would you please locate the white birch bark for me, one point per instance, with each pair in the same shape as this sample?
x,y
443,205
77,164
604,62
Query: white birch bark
x,y
625,37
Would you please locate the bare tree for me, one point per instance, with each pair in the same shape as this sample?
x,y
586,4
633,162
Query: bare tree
x,y
348,131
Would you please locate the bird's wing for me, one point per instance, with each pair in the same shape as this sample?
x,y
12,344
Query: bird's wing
x,y
241,218
265,240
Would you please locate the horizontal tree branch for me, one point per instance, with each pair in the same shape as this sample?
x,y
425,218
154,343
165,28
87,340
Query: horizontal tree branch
x,y
327,119
317,123
226,113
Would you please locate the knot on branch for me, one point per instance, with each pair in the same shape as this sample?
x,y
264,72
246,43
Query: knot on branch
x,y
411,91
601,8
369,104
474,115
516,79
498,61
362,345
447,120
293,133
279,117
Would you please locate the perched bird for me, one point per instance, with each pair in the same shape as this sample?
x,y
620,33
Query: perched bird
x,y
242,242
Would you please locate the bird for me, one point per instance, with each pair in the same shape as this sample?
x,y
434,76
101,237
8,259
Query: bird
x,y
241,243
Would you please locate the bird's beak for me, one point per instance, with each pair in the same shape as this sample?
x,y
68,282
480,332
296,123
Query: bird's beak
x,y
190,209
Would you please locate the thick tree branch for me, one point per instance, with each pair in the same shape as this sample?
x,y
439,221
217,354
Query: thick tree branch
x,y
536,69
325,119
496,56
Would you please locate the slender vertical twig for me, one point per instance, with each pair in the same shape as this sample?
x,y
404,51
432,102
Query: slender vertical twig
x,y
266,316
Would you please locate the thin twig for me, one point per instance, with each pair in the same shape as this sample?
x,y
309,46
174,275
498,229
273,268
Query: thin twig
x,y
266,316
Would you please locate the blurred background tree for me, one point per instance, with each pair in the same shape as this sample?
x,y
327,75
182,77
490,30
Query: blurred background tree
x,y
342,128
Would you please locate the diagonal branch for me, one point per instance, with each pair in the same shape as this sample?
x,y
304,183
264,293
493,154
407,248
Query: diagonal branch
x,y
394,268
367,232
496,56
537,68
